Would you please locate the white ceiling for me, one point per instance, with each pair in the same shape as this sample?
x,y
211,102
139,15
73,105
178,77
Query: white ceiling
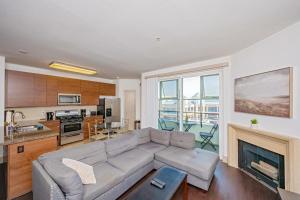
x,y
118,38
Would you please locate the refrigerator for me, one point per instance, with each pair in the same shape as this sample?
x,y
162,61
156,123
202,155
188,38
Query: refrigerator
x,y
109,107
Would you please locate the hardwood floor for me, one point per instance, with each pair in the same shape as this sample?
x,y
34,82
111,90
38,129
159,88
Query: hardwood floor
x,y
228,184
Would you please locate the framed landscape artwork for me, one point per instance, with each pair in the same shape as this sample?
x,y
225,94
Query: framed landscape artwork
x,y
268,93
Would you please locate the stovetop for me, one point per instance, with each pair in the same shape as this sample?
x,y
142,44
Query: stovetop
x,y
68,116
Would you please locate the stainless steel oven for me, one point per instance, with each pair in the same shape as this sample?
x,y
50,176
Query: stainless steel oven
x,y
71,125
69,99
71,132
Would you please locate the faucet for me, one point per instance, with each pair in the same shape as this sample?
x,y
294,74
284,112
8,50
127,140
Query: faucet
x,y
13,117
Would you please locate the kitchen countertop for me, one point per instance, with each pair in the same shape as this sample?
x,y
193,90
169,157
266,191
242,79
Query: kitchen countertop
x,y
28,136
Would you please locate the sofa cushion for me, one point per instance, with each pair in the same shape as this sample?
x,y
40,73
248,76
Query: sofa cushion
x,y
160,137
130,161
198,162
107,177
143,135
183,139
121,144
66,178
152,147
90,153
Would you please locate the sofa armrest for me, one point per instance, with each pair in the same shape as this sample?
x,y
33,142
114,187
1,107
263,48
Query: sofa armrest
x,y
43,187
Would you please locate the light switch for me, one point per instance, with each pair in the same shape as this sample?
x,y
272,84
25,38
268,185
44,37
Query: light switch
x,y
21,149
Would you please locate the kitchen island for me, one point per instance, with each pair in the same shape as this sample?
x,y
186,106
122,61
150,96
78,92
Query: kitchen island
x,y
20,150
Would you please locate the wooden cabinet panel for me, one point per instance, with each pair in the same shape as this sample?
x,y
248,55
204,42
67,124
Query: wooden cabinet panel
x,y
39,90
68,85
86,121
54,125
52,88
89,93
106,89
19,89
19,164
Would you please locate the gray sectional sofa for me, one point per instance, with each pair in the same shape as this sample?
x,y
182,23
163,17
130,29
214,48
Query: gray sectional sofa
x,y
119,163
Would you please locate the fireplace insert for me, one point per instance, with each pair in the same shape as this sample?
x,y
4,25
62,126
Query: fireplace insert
x,y
264,165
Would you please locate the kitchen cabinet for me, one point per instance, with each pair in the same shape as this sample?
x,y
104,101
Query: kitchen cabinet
x,y
36,90
89,93
24,89
89,120
52,90
54,125
20,157
107,89
39,90
19,89
68,85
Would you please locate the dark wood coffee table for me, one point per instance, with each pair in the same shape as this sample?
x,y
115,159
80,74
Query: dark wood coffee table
x,y
174,179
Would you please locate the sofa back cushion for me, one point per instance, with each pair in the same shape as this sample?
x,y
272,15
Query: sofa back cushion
x,y
90,153
143,135
121,144
160,137
66,178
183,140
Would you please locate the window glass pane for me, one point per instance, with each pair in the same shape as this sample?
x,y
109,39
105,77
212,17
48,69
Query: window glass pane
x,y
191,88
168,105
191,106
210,85
168,89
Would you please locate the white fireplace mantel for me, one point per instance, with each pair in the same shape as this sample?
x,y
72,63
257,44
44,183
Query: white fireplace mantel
x,y
287,146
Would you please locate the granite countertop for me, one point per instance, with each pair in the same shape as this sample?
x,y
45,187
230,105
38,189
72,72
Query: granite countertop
x,y
28,136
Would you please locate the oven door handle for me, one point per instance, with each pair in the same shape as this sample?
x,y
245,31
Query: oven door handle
x,y
71,135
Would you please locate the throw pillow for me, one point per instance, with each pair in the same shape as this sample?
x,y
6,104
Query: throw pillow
x,y
85,171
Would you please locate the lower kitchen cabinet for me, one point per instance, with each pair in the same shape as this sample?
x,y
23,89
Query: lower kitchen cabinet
x,y
54,125
19,169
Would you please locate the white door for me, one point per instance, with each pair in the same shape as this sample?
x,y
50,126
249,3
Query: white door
x,y
129,108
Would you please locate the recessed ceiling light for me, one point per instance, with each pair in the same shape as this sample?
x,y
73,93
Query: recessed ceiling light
x,y
22,51
72,68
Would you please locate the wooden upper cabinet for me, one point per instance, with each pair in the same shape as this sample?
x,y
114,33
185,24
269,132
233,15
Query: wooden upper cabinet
x,y
89,93
36,90
19,89
52,90
107,89
68,85
39,90
25,89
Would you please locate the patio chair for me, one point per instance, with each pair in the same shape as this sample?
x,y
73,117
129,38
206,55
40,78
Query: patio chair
x,y
207,136
164,126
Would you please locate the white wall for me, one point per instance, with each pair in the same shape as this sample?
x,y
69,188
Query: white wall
x,y
277,51
129,84
2,93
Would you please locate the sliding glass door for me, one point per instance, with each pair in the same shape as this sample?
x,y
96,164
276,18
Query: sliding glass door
x,y
191,104
168,118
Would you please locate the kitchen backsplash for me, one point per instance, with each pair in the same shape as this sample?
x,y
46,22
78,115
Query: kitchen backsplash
x,y
36,113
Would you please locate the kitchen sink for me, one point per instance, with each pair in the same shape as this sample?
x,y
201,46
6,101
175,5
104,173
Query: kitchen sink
x,y
28,129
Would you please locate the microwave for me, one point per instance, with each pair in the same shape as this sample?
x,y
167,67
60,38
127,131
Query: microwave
x,y
69,99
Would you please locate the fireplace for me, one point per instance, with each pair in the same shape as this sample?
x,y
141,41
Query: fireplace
x,y
266,166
